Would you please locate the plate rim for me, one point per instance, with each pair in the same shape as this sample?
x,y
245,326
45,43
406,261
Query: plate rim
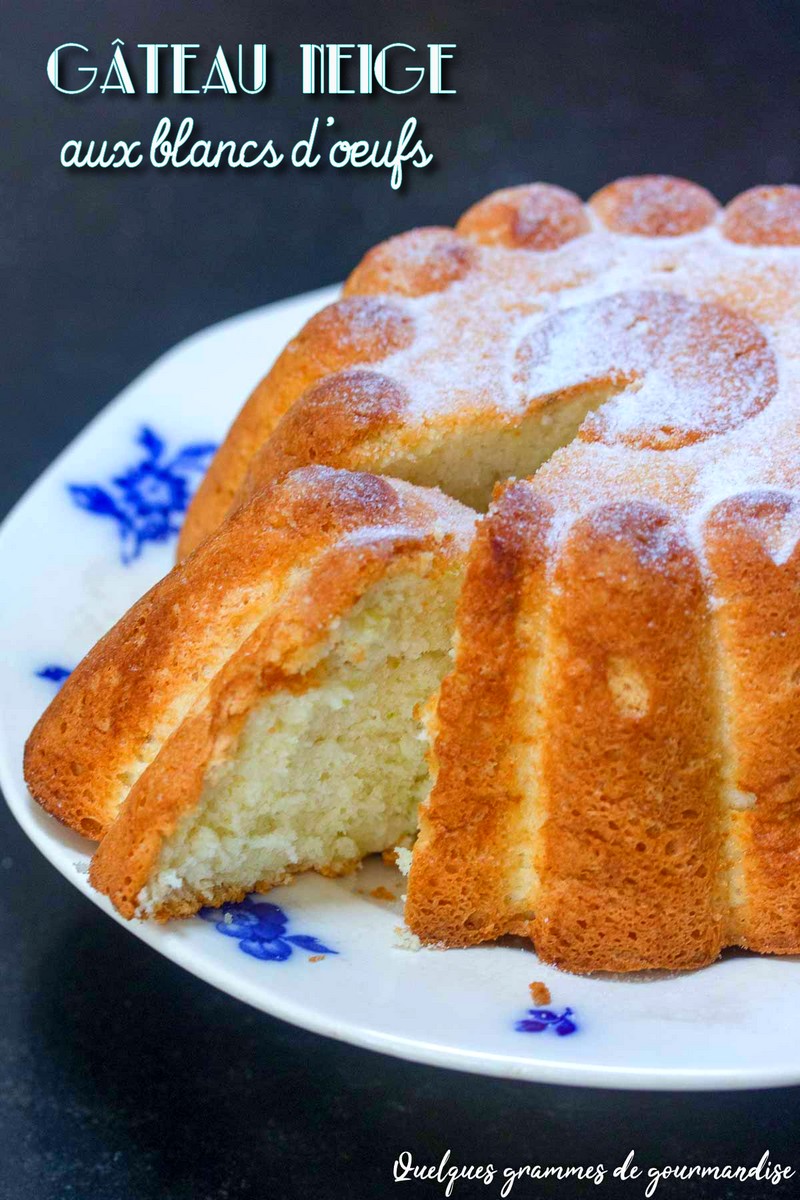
x,y
43,832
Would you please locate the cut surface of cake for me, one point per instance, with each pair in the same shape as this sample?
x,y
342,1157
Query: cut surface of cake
x,y
267,689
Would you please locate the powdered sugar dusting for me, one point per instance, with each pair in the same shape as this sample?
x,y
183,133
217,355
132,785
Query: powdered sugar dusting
x,y
654,206
695,337
681,371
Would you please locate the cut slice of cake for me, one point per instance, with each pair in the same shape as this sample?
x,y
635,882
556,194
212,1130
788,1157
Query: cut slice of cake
x,y
254,715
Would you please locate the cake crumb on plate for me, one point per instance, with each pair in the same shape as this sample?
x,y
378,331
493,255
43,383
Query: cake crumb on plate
x,y
382,893
404,939
540,992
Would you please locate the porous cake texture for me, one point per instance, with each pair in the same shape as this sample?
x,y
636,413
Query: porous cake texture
x,y
254,714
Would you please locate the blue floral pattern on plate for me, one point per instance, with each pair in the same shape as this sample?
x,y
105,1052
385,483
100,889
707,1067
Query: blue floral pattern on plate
x,y
260,929
54,673
148,500
540,1019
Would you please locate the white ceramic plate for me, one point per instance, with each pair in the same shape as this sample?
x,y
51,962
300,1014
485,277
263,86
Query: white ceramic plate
x,y
94,532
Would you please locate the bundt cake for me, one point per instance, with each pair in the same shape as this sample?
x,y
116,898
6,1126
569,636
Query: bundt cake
x,y
253,715
616,751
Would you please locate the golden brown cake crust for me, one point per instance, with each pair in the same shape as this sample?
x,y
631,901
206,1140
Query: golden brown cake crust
x,y
140,682
654,206
753,554
764,216
626,871
537,217
328,424
361,329
631,858
472,823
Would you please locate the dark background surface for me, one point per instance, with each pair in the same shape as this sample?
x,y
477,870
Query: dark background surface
x,y
121,1077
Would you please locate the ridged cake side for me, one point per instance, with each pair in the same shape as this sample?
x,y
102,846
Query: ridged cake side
x,y
358,330
617,751
474,873
754,559
605,840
